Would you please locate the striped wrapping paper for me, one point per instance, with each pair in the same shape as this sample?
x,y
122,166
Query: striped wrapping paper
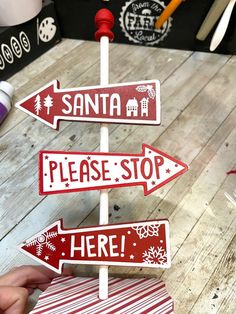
x,y
69,295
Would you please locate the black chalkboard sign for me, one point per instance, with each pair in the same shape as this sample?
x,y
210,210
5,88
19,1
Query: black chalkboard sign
x,y
135,19
21,44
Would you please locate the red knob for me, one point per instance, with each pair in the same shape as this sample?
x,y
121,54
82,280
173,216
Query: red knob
x,y
104,21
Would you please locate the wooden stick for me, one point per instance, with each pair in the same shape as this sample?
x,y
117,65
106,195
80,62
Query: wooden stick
x,y
169,10
104,147
104,20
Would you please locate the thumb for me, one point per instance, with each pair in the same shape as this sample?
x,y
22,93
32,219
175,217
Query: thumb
x,y
13,299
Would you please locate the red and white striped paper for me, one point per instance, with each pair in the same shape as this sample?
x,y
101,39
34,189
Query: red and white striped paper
x,y
70,295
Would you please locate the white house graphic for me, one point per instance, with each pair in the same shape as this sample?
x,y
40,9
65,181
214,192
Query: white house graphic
x,y
132,107
144,106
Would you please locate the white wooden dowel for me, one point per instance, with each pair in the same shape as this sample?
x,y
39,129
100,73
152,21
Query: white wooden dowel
x,y
104,147
104,21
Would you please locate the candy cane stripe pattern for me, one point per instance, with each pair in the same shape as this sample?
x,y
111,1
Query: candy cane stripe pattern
x,y
72,295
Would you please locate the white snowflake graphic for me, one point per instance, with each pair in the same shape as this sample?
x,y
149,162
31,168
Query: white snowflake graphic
x,y
145,231
42,241
147,88
155,256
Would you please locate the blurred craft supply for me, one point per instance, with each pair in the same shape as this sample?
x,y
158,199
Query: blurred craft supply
x,y
169,10
232,199
14,12
212,17
231,172
6,94
222,26
232,43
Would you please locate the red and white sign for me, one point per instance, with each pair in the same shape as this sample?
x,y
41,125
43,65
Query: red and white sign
x,y
144,244
131,103
80,295
61,172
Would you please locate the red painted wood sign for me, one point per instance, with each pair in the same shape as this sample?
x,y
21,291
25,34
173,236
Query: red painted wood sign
x,y
62,172
143,244
132,103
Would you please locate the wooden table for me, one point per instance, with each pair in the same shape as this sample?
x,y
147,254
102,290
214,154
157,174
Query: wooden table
x,y
198,92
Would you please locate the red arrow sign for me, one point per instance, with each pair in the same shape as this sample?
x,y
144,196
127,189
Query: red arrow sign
x,y
144,244
61,172
132,103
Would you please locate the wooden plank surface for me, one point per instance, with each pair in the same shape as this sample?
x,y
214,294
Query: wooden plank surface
x,y
198,98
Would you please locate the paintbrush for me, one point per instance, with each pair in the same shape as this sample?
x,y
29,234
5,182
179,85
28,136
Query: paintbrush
x,y
222,26
212,17
232,43
169,10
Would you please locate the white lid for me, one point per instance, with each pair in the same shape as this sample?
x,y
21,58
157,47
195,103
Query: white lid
x,y
7,88
14,12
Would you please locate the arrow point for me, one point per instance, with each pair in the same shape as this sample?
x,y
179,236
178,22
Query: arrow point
x,y
51,87
147,148
167,168
56,266
43,247
34,104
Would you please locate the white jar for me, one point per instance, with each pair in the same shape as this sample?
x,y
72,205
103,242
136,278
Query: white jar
x,y
6,94
14,12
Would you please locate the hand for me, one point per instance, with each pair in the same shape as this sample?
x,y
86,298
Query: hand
x,y
16,285
13,300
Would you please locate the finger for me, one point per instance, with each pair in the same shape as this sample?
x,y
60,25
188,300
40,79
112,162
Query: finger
x,y
13,299
43,286
31,276
14,268
30,290
24,275
40,286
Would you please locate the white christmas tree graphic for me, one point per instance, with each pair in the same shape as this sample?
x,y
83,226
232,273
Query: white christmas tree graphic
x,y
37,105
48,103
